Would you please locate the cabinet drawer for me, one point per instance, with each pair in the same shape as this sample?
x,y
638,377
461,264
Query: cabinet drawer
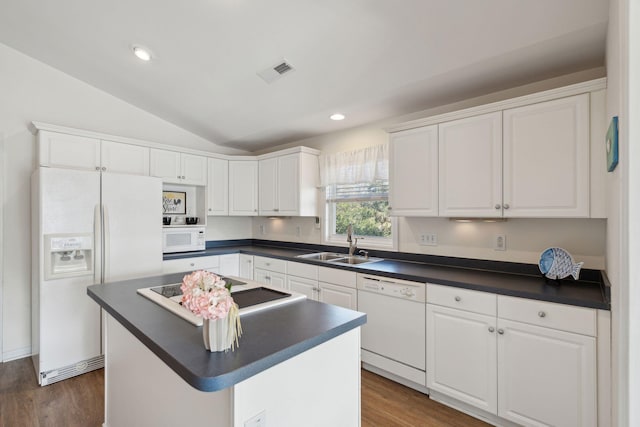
x,y
191,264
271,264
563,317
463,299
300,269
337,276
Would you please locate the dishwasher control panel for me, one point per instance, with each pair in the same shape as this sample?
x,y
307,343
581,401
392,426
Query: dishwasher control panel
x,y
404,289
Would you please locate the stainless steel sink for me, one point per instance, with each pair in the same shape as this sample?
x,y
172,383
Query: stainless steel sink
x,y
323,256
355,260
332,257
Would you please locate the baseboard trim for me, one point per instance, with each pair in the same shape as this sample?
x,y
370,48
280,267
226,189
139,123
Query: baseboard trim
x,y
18,353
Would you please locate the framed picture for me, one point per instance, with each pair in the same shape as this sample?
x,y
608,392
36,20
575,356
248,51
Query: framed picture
x,y
174,202
612,144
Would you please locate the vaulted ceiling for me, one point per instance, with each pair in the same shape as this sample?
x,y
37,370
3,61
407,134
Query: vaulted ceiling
x,y
368,59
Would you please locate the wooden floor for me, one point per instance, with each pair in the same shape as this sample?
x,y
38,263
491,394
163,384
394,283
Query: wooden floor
x,y
79,402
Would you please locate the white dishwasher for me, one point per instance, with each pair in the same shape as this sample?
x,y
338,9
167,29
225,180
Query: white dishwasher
x,y
393,339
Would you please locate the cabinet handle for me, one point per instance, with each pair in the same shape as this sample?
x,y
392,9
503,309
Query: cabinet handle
x,y
506,205
457,299
501,331
192,264
104,168
276,210
491,329
97,168
209,209
267,277
497,206
542,314
178,176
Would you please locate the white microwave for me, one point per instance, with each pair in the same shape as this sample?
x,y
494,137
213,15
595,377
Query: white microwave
x,y
183,239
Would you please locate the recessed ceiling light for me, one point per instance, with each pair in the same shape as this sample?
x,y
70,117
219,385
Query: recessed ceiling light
x,y
142,53
337,116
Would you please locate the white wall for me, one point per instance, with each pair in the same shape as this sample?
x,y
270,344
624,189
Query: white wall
x,y
33,91
228,228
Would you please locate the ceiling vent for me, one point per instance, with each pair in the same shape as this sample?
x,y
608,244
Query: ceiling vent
x,y
276,71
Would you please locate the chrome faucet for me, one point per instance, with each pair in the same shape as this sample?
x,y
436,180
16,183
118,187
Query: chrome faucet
x,y
353,241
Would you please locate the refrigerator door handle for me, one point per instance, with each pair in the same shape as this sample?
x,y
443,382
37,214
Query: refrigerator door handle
x,y
105,245
97,245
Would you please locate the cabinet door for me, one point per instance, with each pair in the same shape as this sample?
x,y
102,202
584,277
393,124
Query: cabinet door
x,y
546,159
165,164
338,295
268,184
461,356
243,187
246,266
288,186
413,172
546,377
230,264
470,166
124,158
308,287
68,151
271,278
194,169
218,187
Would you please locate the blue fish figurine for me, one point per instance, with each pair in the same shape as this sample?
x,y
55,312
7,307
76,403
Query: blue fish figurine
x,y
556,263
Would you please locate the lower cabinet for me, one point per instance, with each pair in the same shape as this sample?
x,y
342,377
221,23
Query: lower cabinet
x,y
245,267
302,285
527,361
338,295
271,278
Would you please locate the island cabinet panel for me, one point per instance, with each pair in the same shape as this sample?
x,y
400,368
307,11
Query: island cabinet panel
x,y
413,172
470,166
546,159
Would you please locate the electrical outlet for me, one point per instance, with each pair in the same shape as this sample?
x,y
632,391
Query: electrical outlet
x,y
298,231
428,239
500,242
262,229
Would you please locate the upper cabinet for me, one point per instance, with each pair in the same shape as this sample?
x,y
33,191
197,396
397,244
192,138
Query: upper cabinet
x,y
470,165
179,168
413,172
546,159
288,184
81,152
243,187
526,157
218,187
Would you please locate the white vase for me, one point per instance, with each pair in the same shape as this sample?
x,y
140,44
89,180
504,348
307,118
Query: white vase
x,y
216,334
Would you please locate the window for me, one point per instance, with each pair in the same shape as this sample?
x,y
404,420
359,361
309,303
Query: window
x,y
357,193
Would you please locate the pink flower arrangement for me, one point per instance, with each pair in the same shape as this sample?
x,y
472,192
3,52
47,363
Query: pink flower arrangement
x,y
205,294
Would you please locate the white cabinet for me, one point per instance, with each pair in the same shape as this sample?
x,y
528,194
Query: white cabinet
x,y
179,168
546,363
243,187
246,266
470,166
218,187
229,264
338,287
413,172
270,271
308,287
187,265
461,345
79,152
546,159
527,361
288,184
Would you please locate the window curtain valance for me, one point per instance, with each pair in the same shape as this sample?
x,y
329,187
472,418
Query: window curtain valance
x,y
366,165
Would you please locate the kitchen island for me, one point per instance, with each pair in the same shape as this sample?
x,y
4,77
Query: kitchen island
x,y
297,364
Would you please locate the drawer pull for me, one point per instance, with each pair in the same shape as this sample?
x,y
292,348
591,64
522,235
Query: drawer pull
x,y
501,331
457,298
491,329
192,264
497,206
542,314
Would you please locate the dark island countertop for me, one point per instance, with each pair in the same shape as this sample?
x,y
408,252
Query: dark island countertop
x,y
503,278
270,336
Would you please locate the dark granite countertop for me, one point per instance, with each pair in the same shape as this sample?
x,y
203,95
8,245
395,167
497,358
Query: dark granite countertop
x,y
504,278
270,336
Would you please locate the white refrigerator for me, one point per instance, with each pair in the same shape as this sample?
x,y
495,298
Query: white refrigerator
x,y
87,228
